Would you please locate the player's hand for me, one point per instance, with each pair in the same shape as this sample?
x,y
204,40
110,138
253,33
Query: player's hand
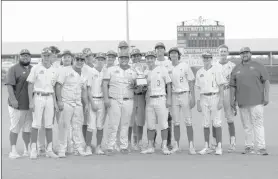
x,y
199,108
94,106
56,108
31,106
60,105
86,108
107,103
192,102
168,103
14,103
266,101
220,104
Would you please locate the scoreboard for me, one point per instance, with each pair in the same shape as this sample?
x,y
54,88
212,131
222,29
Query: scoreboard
x,y
197,36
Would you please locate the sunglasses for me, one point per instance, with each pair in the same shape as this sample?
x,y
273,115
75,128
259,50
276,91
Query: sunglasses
x,y
80,59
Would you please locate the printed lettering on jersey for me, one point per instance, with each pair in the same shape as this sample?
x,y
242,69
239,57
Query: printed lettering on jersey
x,y
41,72
95,76
117,71
202,75
251,68
170,72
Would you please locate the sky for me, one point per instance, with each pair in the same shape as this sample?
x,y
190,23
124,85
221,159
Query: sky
x,y
148,20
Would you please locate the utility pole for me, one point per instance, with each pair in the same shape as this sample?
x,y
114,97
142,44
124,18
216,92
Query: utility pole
x,y
127,24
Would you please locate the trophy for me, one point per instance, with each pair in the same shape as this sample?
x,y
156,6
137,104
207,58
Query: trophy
x,y
141,79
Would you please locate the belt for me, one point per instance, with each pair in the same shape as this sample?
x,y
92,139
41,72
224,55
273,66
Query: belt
x,y
209,94
182,92
125,99
226,87
158,96
138,93
43,94
97,97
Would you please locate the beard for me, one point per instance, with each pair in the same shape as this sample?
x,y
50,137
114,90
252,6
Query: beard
x,y
24,63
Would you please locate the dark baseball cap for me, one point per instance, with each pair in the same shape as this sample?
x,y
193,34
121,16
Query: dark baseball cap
x,y
159,44
150,53
87,52
122,44
244,49
54,49
123,54
111,52
174,49
101,55
24,51
207,54
77,55
46,51
67,52
135,51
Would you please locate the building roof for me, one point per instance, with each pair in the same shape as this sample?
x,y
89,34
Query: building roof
x,y
9,48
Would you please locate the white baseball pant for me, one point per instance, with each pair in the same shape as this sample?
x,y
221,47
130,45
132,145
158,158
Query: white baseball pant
x,y
252,121
138,113
96,119
120,113
229,115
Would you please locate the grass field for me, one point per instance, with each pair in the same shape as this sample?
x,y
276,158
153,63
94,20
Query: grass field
x,y
136,166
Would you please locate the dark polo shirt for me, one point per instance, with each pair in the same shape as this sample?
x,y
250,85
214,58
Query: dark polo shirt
x,y
17,76
248,79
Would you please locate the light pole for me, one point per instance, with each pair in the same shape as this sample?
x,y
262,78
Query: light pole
x,y
127,24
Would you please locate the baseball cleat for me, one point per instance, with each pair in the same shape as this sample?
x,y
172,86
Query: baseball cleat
x,y
166,151
124,151
262,152
61,154
33,154
41,152
109,152
26,153
117,148
129,147
99,151
88,151
175,149
192,151
80,152
248,150
51,154
135,147
218,151
149,150
205,151
14,155
232,148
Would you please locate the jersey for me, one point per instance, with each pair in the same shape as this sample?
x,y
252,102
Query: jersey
x,y
121,84
208,81
72,84
226,70
43,78
166,63
95,81
180,76
157,80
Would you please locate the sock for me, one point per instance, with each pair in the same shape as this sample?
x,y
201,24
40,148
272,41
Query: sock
x,y
177,133
232,129
189,130
49,135
218,131
155,134
26,136
169,138
34,135
13,138
150,135
89,136
206,134
99,137
84,130
164,134
129,134
139,133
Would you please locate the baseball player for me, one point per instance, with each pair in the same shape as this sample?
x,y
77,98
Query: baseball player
x,y
227,67
157,103
42,101
138,115
18,102
110,58
162,61
70,88
183,98
250,90
209,84
123,48
55,62
97,112
119,101
87,67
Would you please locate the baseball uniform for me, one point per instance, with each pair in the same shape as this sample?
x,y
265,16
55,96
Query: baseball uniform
x,y
121,93
72,114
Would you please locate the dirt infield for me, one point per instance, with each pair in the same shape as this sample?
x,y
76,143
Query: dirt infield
x,y
135,166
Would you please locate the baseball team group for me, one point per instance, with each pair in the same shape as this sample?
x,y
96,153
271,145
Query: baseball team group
x,y
79,93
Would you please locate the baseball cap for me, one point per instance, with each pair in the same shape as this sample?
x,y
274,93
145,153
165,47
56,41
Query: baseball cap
x,y
67,52
207,54
123,54
46,51
111,52
54,50
174,49
122,44
135,52
150,53
244,49
101,55
87,52
78,55
159,44
24,51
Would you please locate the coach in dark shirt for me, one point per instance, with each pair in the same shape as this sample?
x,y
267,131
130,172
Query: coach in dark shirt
x,y
250,90
18,102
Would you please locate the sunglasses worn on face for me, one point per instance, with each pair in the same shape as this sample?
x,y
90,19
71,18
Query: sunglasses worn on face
x,y
80,60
